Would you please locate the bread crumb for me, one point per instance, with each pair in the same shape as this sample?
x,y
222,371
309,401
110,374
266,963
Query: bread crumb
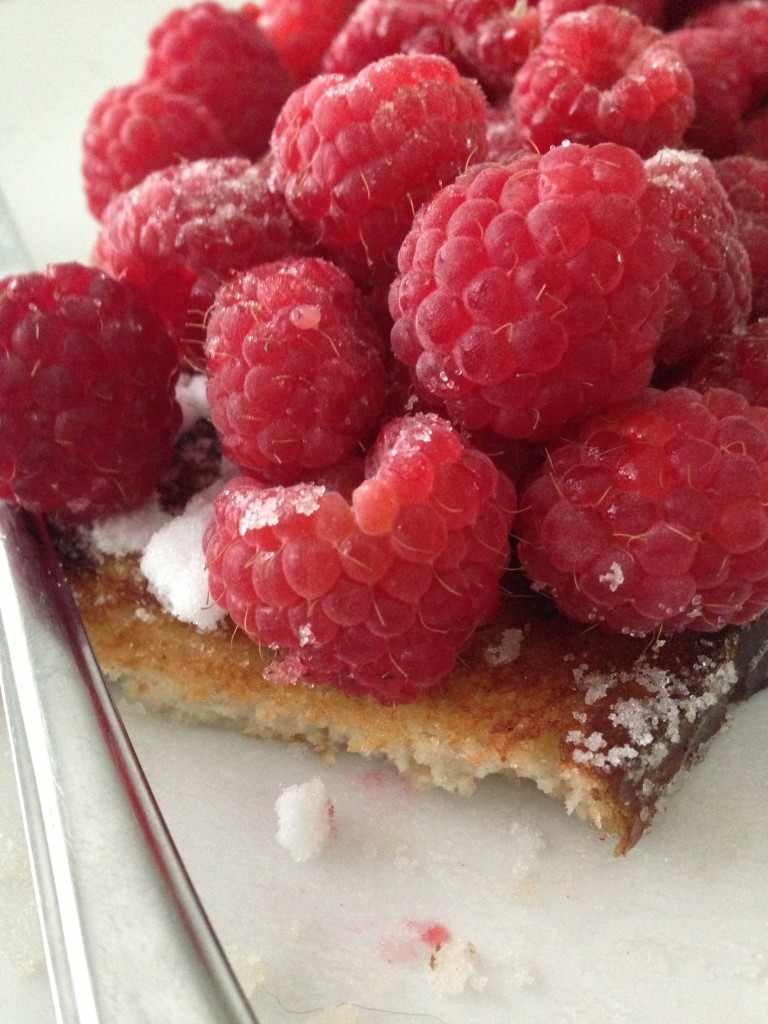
x,y
452,968
305,815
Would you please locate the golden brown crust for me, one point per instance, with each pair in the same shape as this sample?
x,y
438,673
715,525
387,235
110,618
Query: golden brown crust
x,y
605,723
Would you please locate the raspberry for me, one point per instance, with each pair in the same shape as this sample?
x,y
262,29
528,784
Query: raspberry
x,y
135,129
225,61
748,20
298,34
379,28
654,518
183,230
88,415
602,75
753,135
738,361
710,287
745,180
356,156
533,293
650,11
380,594
296,370
503,136
494,37
718,61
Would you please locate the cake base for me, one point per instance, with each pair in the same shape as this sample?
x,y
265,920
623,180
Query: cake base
x,y
607,724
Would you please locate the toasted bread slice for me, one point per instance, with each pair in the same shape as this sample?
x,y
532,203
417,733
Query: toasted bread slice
x,y
606,723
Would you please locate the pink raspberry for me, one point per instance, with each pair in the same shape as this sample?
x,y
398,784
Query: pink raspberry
x,y
719,64
748,20
296,369
225,61
745,180
710,287
88,415
135,129
650,11
380,28
183,230
298,34
504,139
602,75
357,156
495,37
377,595
655,517
738,361
532,294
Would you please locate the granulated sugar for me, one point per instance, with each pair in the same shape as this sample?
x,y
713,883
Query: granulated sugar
x,y
130,532
174,565
305,817
507,649
643,727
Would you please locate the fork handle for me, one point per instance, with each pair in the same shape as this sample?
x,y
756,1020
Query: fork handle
x,y
125,936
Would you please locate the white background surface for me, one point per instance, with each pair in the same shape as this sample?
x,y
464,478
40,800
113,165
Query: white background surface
x,y
675,933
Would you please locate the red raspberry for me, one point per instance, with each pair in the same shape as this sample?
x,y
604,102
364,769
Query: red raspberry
x,y
88,415
753,135
504,139
379,28
533,293
602,75
296,370
377,595
718,61
748,20
494,36
745,180
225,61
650,11
655,517
710,287
738,361
299,35
135,129
356,156
183,230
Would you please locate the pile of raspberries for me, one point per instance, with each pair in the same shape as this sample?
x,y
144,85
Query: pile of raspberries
x,y
480,288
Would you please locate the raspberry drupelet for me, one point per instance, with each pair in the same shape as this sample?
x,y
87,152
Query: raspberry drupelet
x,y
88,415
377,595
223,59
356,156
533,293
296,371
601,75
654,518
186,229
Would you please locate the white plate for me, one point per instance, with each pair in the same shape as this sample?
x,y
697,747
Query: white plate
x,y
675,933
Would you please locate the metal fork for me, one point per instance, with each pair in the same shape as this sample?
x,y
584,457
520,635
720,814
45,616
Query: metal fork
x,y
126,938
